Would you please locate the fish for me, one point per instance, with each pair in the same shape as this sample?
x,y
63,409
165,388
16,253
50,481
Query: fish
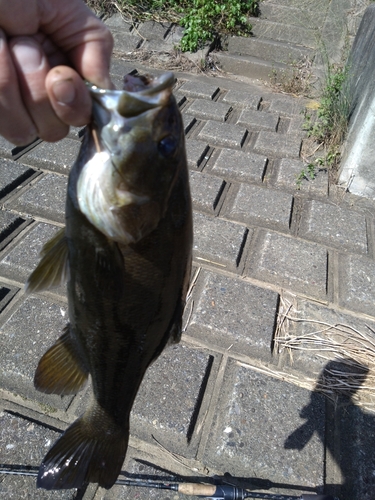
x,y
125,251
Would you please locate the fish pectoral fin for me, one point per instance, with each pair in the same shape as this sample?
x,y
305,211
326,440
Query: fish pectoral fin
x,y
60,371
91,450
52,269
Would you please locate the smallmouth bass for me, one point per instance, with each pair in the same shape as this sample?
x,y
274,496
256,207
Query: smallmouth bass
x,y
126,250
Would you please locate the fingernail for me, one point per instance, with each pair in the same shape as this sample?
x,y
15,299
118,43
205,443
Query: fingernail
x,y
64,91
28,55
26,140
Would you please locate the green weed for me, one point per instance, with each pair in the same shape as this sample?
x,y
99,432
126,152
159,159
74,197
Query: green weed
x,y
203,20
308,173
330,125
332,116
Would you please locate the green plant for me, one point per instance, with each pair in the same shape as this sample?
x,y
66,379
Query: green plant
x,y
330,125
308,173
333,113
202,19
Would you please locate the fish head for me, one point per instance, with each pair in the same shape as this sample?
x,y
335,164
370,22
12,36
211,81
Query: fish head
x,y
124,188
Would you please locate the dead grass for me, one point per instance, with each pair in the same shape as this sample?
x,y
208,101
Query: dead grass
x,y
296,81
173,60
354,373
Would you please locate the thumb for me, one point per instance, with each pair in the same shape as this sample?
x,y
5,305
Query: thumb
x,y
69,96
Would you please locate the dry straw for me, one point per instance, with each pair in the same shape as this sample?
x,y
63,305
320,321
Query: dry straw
x,y
350,354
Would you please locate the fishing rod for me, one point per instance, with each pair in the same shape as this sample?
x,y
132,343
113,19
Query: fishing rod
x,y
208,491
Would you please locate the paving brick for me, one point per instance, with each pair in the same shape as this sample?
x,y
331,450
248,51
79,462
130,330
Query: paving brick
x,y
8,223
174,35
357,283
289,170
188,122
218,241
58,156
7,292
198,89
248,66
296,126
195,152
120,68
6,147
12,175
260,206
180,98
160,49
258,120
223,134
334,226
268,428
290,263
18,261
26,335
208,110
151,30
25,442
205,191
45,198
268,49
287,105
240,166
169,399
125,42
232,314
244,99
118,22
278,145
283,32
291,13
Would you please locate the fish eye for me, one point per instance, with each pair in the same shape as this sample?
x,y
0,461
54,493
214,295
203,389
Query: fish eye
x,y
167,146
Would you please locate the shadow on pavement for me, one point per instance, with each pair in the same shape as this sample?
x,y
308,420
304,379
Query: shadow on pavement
x,y
349,435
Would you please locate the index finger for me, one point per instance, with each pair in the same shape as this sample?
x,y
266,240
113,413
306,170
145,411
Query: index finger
x,y
16,124
71,25
86,40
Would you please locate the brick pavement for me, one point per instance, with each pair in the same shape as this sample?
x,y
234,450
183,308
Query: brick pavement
x,y
228,399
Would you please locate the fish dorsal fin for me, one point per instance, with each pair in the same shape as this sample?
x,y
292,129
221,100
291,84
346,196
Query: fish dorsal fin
x,y
52,269
60,371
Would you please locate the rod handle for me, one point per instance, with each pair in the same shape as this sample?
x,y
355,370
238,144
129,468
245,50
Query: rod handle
x,y
204,490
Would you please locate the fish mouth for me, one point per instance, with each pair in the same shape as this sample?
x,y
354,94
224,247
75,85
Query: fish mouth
x,y
140,94
107,196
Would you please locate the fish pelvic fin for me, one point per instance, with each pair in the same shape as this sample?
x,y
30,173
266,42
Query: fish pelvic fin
x,y
60,370
52,269
91,450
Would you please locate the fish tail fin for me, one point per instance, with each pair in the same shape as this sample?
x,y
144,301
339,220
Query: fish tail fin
x,y
91,450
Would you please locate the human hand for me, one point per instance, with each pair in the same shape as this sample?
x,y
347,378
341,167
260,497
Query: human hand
x,y
46,48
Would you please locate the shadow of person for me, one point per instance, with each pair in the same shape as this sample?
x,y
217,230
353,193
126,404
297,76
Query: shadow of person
x,y
349,433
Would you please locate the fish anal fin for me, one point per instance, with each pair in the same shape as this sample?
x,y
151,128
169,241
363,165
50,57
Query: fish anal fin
x,y
91,450
60,371
52,269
